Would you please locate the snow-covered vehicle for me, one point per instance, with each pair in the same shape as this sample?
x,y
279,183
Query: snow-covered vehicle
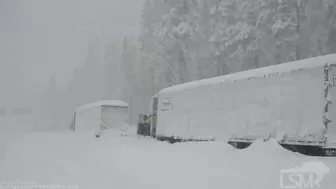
x,y
290,101
100,115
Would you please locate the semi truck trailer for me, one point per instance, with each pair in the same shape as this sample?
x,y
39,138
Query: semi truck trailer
x,y
290,101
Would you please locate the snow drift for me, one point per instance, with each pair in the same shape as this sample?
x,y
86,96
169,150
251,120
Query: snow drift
x,y
81,161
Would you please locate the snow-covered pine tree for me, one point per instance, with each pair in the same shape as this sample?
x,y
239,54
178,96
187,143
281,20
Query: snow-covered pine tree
x,y
175,33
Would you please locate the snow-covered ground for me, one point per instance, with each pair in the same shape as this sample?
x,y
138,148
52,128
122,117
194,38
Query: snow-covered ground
x,y
113,162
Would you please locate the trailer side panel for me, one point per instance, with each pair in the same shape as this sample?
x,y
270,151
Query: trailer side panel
x,y
288,103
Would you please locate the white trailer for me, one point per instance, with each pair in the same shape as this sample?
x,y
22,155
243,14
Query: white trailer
x,y
290,99
110,113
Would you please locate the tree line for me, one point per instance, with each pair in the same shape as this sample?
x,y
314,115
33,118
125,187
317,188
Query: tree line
x,y
186,40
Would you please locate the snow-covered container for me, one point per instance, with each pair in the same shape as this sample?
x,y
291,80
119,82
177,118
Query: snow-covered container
x,y
112,113
281,99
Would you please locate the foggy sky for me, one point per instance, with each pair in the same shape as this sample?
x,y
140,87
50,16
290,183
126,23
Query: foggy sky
x,y
39,38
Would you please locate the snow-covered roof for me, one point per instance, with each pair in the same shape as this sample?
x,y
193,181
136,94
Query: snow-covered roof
x,y
279,69
115,103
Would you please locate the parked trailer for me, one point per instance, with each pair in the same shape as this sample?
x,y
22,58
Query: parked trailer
x,y
291,100
110,113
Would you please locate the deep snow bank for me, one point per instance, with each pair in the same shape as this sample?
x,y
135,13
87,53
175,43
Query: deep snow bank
x,y
112,161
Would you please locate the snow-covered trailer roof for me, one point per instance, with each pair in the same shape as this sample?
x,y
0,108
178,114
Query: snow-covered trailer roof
x,y
279,69
112,103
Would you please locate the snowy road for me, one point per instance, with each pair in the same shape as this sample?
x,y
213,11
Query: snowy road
x,y
113,162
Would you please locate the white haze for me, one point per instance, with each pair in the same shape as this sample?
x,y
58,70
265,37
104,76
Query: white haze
x,y
41,38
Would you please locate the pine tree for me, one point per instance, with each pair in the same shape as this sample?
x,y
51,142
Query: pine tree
x,y
112,71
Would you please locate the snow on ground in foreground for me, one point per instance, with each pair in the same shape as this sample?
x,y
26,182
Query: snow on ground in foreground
x,y
115,162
